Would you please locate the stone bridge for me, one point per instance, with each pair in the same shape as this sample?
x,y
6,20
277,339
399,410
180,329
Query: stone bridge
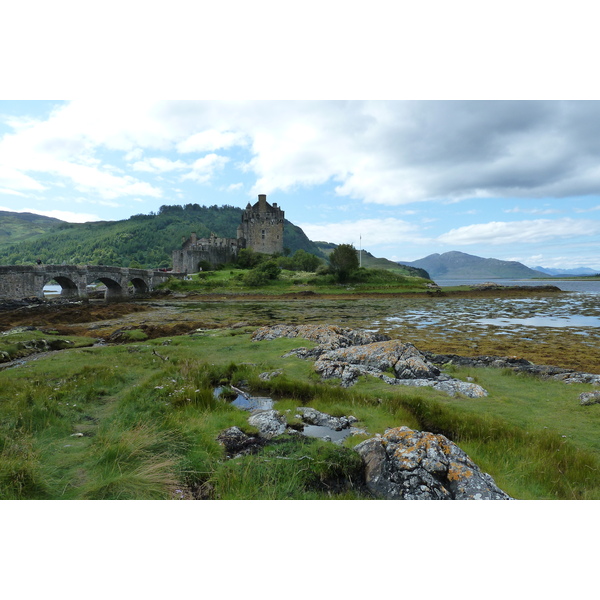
x,y
24,281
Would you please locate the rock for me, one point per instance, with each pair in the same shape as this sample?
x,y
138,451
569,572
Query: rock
x,y
269,423
346,354
519,365
588,398
454,387
237,443
329,337
312,416
404,464
406,361
269,375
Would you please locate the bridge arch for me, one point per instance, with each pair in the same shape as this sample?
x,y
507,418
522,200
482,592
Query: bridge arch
x,y
114,289
69,288
140,286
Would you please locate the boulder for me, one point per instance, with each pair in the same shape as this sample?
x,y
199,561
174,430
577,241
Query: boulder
x,y
269,423
588,398
238,443
404,464
312,416
404,359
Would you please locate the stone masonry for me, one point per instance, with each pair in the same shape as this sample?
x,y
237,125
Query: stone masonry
x,y
261,230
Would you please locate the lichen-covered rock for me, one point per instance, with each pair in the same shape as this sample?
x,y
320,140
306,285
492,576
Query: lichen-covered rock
x,y
404,464
268,422
405,360
588,398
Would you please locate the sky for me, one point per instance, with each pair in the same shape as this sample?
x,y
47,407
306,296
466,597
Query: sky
x,y
514,180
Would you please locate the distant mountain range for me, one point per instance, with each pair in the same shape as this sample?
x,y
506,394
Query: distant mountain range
x,y
458,265
574,271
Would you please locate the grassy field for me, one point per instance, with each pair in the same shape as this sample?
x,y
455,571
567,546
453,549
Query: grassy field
x,y
232,281
140,421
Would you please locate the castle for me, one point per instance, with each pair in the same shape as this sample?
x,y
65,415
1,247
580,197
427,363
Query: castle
x,y
261,229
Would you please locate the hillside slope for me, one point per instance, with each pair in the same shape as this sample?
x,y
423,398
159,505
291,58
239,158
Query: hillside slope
x,y
19,227
371,262
141,241
458,265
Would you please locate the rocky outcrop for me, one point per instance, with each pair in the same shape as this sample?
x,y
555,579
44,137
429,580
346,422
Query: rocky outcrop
x,y
402,359
346,354
404,464
519,365
329,337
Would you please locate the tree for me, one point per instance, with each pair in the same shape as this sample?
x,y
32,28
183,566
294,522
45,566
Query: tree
x,y
344,260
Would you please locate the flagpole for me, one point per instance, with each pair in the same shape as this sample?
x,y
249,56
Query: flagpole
x,y
360,251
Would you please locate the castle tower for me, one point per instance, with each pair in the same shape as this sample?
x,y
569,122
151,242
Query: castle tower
x,y
262,226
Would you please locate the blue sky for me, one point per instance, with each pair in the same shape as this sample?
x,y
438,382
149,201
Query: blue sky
x,y
510,180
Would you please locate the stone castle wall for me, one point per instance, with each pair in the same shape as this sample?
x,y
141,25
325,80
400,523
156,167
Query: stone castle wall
x,y
261,229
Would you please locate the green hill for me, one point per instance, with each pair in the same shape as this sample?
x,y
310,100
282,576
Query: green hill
x,y
19,227
458,265
145,241
371,262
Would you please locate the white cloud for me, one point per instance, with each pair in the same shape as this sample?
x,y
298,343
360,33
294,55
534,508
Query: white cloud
x,y
374,232
211,140
12,192
159,165
521,232
533,211
14,179
387,153
63,215
204,168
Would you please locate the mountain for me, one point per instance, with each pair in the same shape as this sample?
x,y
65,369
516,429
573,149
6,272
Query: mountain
x,y
574,271
371,262
458,265
145,241
18,227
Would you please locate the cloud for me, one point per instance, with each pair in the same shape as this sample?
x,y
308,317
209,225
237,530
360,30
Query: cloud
x,y
533,211
63,215
388,153
204,168
212,139
374,232
521,232
159,165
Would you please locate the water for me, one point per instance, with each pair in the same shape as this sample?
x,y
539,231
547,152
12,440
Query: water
x,y
52,290
247,402
320,431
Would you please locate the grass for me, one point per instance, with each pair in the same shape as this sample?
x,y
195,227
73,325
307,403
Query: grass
x,y
120,422
232,281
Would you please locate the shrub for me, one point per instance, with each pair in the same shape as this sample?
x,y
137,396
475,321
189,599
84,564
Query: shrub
x,y
344,260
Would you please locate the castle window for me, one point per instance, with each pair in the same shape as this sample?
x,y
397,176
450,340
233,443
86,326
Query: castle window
x,y
263,234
